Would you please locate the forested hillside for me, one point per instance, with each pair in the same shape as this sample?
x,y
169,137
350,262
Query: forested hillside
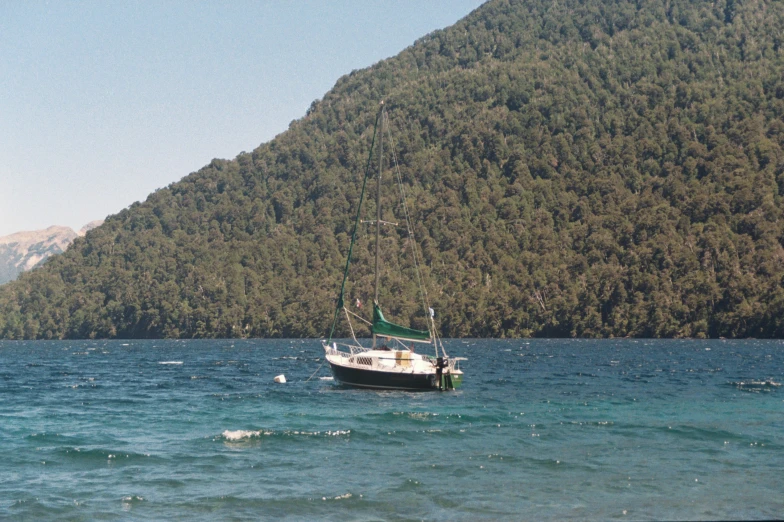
x,y
574,168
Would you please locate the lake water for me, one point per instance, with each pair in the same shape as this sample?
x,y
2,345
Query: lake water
x,y
540,430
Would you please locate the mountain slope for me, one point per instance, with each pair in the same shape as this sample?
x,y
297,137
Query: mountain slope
x,y
25,250
577,168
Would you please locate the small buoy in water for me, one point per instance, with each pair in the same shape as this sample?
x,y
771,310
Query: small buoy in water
x,y
280,378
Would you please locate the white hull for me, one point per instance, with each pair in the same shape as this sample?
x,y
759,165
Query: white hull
x,y
390,369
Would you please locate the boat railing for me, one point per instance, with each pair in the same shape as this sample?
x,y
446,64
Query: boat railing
x,y
333,350
353,349
454,363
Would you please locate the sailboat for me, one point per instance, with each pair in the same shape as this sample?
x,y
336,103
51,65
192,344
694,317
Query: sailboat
x,y
391,361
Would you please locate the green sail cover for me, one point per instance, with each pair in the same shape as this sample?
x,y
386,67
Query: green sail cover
x,y
383,327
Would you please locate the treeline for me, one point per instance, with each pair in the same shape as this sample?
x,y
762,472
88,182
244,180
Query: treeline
x,y
574,168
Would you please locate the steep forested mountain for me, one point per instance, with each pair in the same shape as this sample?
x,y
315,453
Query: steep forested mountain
x,y
574,168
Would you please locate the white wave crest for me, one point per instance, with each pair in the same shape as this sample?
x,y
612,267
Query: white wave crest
x,y
237,435
241,434
339,497
337,433
170,362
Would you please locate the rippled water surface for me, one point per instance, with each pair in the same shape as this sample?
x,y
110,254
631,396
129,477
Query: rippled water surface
x,y
542,429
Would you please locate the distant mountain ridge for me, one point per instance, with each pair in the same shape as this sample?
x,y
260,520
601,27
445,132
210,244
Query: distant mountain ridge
x,y
23,251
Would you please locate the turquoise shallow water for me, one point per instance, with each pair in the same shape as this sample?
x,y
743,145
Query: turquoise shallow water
x,y
542,429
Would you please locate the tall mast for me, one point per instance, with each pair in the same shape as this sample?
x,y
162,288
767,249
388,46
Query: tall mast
x,y
378,207
339,303
378,200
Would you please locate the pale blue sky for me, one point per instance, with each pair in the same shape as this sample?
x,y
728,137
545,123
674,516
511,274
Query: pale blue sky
x,y
102,102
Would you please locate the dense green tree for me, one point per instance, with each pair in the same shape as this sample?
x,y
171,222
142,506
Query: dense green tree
x,y
574,168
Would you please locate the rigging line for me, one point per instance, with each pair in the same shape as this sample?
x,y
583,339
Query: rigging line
x,y
412,239
317,369
357,316
401,343
348,319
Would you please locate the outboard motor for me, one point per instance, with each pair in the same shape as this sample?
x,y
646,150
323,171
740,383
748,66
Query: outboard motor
x,y
444,381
